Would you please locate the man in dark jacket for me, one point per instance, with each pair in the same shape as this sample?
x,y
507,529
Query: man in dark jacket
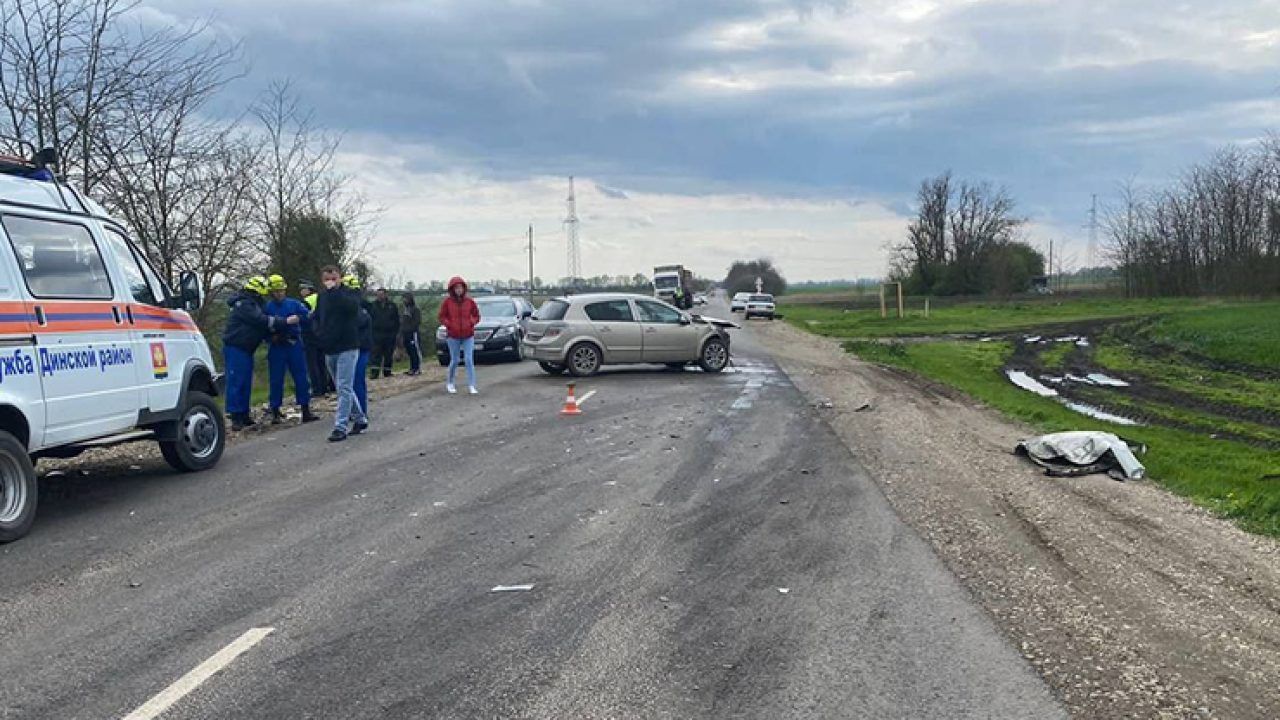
x,y
247,326
410,325
386,328
321,384
337,325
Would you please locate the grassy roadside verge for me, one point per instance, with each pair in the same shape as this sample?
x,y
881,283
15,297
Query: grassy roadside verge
x,y
1224,476
1222,462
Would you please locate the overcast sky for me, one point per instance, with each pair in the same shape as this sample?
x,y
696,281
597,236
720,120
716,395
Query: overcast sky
x,y
703,131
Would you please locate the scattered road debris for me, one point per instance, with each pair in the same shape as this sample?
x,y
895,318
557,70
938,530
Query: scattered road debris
x,y
784,591
511,588
1071,454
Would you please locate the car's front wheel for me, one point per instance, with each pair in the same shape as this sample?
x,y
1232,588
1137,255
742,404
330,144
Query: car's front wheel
x,y
551,368
444,360
715,355
517,355
18,489
198,436
585,359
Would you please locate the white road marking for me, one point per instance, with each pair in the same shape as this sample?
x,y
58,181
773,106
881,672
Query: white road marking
x,y
512,588
585,398
157,705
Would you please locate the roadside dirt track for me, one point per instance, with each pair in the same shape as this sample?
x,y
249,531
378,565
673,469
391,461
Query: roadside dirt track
x,y
1129,601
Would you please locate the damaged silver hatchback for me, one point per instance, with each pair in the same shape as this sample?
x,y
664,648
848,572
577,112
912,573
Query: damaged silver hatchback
x,y
582,333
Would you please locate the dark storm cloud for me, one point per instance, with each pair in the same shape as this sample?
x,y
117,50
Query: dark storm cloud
x,y
584,87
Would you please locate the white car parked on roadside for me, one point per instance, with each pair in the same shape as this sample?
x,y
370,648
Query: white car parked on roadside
x,y
95,349
739,302
760,305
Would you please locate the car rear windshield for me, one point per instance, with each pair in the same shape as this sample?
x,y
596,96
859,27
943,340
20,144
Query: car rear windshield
x,y
552,310
761,298
497,309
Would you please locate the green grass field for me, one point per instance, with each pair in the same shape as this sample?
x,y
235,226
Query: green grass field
x,y
978,317
1203,371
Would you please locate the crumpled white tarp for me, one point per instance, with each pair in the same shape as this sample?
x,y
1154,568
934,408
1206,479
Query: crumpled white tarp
x,y
1083,450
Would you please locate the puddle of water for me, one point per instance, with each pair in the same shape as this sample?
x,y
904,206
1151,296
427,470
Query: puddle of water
x,y
1033,339
1082,342
1032,385
1099,414
1069,338
1106,380
1026,382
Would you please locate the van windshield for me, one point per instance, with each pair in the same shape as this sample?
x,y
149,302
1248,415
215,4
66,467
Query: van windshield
x,y
665,282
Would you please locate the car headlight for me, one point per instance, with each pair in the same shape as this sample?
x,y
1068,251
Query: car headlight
x,y
505,330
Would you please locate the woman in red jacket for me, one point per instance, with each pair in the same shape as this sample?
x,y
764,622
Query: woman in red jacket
x,y
459,315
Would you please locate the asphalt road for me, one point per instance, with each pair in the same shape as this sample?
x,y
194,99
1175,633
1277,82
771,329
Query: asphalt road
x,y
698,545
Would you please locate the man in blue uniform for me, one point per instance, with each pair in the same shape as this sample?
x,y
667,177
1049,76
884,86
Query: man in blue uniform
x,y
247,326
287,351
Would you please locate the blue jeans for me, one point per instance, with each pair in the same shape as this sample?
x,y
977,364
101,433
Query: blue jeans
x,y
468,347
292,358
239,367
343,369
362,383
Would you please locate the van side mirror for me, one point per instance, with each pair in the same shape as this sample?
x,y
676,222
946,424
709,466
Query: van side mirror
x,y
685,319
190,291
526,314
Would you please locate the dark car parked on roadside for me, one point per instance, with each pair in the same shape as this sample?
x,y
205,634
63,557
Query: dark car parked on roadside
x,y
500,333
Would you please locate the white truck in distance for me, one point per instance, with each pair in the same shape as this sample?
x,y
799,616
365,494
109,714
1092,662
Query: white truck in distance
x,y
673,284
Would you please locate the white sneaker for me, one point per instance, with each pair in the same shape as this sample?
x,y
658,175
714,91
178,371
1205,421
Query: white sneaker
x,y
451,389
473,390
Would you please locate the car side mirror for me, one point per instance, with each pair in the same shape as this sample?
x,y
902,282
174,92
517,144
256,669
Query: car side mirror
x,y
190,291
526,314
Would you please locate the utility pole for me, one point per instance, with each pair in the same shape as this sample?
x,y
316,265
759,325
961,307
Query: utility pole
x,y
530,262
571,235
1051,264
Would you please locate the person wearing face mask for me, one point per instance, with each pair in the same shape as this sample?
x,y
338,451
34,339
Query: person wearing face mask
x,y
337,326
459,315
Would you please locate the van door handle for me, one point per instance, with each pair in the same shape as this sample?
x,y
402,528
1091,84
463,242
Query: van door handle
x,y
115,312
40,318
128,310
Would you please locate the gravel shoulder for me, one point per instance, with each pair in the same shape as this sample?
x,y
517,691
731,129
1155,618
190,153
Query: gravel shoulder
x,y
1128,600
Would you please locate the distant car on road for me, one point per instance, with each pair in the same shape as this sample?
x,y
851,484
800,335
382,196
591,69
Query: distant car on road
x,y
700,299
582,333
759,306
739,302
500,331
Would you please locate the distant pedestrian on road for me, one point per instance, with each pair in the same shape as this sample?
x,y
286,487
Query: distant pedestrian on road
x,y
287,353
338,321
247,326
386,329
459,315
410,325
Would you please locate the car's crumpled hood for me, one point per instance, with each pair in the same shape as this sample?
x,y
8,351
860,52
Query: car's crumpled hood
x,y
716,321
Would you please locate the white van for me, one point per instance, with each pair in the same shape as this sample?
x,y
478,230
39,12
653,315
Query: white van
x,y
95,349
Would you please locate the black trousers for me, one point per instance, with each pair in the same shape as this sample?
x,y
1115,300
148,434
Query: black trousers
x,y
380,358
410,342
318,371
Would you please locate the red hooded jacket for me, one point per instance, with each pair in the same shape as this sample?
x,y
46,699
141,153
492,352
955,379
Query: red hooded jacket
x,y
459,316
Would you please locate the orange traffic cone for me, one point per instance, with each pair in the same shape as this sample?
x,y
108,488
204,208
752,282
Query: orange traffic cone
x,y
571,404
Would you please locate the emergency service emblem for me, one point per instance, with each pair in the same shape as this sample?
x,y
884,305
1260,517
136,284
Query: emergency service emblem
x,y
159,361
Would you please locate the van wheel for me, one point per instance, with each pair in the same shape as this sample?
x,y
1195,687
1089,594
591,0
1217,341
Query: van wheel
x,y
584,360
200,435
551,368
715,356
18,489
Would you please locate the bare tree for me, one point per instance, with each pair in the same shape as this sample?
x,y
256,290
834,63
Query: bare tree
x,y
298,174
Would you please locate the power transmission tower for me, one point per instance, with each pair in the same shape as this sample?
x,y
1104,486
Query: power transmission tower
x,y
1093,233
571,234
